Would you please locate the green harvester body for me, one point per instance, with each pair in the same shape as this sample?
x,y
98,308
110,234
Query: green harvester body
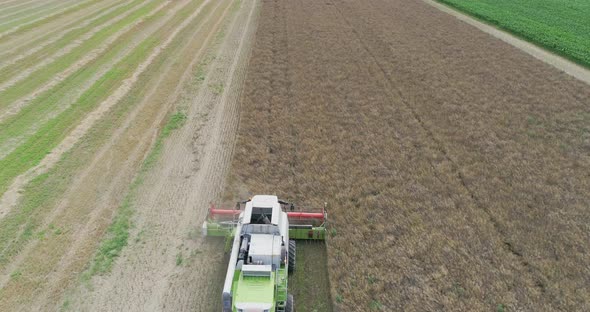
x,y
261,241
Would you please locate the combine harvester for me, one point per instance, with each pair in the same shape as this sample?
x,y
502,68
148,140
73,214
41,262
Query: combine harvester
x,y
261,237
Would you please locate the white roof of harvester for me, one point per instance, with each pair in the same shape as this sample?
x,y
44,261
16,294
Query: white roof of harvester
x,y
263,201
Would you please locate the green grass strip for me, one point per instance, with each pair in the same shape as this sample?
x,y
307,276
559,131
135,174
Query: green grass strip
x,y
21,224
21,14
54,33
17,125
561,26
44,20
48,136
28,15
43,75
118,232
14,69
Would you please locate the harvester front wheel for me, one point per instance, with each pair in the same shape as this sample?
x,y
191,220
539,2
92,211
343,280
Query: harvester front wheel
x,y
290,307
292,250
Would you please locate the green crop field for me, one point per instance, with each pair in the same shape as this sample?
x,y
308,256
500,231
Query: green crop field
x,y
562,26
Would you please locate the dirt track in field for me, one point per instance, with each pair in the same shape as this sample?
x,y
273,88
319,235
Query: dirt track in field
x,y
455,165
9,14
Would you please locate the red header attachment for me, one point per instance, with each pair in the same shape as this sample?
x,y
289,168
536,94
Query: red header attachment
x,y
223,214
297,215
316,218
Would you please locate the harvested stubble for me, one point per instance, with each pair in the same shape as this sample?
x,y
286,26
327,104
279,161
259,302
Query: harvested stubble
x,y
455,166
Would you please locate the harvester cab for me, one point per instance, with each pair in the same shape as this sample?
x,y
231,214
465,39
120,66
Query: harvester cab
x,y
261,235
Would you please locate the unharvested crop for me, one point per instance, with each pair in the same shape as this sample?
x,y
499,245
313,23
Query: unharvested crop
x,y
455,166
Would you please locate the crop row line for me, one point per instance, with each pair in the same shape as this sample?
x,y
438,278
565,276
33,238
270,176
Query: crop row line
x,y
8,4
71,97
14,73
10,15
36,12
12,53
17,29
52,99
